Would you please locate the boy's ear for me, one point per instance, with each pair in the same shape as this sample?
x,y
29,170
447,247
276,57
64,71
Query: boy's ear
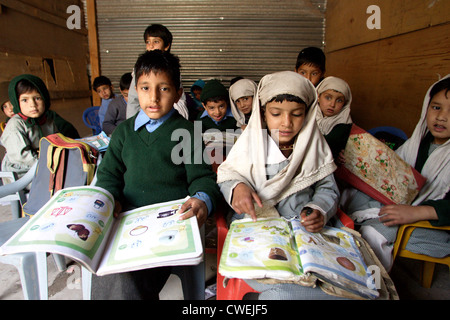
x,y
167,48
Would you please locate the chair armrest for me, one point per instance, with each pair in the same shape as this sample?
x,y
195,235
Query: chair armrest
x,y
20,184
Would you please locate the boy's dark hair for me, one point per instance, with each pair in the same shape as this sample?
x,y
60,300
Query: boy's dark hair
x,y
101,81
311,56
157,61
438,87
125,81
158,30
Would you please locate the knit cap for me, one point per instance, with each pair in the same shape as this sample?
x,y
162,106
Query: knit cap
x,y
213,88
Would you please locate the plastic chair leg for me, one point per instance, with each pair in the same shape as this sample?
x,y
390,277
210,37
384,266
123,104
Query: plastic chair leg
x,y
86,280
60,261
32,268
427,274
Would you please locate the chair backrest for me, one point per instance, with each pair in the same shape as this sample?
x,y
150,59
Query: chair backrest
x,y
392,136
392,130
91,120
14,190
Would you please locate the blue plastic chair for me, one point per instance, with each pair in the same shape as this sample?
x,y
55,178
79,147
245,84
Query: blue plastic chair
x,y
392,130
91,120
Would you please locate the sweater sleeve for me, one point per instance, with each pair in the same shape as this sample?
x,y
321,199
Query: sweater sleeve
x,y
442,208
111,170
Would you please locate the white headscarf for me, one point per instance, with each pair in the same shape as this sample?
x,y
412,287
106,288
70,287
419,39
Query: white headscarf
x,y
326,124
437,166
239,89
310,161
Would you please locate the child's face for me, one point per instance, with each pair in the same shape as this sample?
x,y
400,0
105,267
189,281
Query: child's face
x,y
104,91
438,116
216,110
245,104
331,102
155,43
285,120
310,72
197,93
125,94
31,104
8,109
157,94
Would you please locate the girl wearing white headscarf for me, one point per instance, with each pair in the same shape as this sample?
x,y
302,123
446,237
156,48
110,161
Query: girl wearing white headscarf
x,y
287,184
428,150
282,179
333,115
242,89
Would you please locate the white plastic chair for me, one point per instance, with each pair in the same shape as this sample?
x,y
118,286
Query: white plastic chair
x,y
32,266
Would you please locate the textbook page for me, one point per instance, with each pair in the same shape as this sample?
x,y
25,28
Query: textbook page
x,y
152,236
261,249
334,256
74,222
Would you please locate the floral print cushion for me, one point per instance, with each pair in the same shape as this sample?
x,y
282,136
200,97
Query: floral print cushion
x,y
375,169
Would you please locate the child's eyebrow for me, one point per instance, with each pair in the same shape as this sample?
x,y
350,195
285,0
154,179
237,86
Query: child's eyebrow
x,y
435,102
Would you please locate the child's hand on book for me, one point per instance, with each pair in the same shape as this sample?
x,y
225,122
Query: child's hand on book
x,y
312,219
194,206
243,200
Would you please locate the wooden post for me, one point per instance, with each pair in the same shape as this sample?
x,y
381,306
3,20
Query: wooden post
x,y
93,46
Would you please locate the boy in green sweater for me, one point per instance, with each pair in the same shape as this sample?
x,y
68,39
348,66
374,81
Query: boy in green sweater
x,y
217,114
142,167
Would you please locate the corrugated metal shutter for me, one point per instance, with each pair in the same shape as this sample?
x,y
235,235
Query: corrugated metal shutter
x,y
213,39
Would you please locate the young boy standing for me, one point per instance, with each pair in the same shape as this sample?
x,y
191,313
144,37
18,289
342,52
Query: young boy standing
x,y
139,170
217,114
156,37
104,88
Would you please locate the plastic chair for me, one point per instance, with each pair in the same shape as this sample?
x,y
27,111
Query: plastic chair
x,y
392,130
91,120
32,266
15,190
403,234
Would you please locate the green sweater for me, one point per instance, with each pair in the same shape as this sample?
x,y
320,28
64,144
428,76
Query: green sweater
x,y
138,169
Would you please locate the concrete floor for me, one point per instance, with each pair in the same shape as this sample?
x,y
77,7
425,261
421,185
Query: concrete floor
x,y
67,285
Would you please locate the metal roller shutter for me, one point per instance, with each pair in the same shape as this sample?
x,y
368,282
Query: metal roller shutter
x,y
213,39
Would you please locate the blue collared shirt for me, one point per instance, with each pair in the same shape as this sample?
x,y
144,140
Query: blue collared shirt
x,y
228,114
151,125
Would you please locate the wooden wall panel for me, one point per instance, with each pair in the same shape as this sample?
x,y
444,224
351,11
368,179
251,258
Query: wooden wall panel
x,y
346,19
36,40
388,70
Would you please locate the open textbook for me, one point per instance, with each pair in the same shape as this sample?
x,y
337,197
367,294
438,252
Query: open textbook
x,y
99,141
280,249
78,222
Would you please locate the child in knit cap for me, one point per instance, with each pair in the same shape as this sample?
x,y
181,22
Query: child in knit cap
x,y
217,114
